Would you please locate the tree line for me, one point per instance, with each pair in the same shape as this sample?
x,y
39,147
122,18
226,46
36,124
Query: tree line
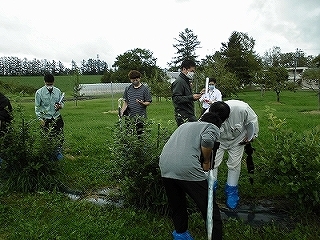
x,y
14,66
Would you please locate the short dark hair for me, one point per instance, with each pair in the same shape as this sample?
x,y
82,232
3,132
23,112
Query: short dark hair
x,y
211,117
220,108
133,74
49,78
187,63
212,79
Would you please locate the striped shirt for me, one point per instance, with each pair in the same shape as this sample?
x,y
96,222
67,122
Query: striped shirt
x,y
131,94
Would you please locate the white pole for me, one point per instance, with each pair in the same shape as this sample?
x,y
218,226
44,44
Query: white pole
x,y
207,84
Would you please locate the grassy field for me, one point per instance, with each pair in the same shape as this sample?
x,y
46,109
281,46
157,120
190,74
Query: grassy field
x,y
65,83
88,138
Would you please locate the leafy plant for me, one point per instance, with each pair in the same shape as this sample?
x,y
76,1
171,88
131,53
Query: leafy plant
x,y
293,161
28,157
135,162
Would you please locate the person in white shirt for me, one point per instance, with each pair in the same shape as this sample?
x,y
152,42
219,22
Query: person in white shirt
x,y
212,95
239,129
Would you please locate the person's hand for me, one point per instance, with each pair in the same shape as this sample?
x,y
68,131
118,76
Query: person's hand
x,y
140,101
197,96
42,122
57,106
206,166
245,141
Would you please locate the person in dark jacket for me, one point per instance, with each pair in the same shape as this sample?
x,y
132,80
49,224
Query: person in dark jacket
x,y
5,113
182,96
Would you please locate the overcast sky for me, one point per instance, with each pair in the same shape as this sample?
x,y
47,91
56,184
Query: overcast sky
x,y
63,30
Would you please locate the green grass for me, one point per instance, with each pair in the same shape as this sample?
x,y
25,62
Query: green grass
x,y
65,83
88,137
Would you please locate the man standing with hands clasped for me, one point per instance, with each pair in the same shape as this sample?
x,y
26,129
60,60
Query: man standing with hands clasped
x,y
48,102
182,96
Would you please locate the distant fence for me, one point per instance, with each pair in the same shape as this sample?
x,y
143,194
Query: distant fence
x,y
102,88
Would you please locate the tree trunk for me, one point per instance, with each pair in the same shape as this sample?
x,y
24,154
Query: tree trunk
x,y
278,96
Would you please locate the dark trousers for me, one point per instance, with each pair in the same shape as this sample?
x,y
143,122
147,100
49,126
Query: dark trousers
x,y
176,191
54,127
182,119
3,127
139,124
139,128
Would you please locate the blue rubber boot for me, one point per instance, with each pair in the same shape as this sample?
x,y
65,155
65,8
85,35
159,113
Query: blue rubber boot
x,y
59,155
215,185
232,195
182,236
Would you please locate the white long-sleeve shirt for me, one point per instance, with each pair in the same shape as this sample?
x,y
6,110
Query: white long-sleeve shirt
x,y
233,130
211,96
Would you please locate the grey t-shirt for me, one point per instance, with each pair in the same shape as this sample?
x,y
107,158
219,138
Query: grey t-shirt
x,y
180,157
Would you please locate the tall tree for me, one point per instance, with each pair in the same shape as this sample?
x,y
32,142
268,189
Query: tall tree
x,y
138,59
275,78
186,48
240,57
215,66
74,67
76,87
316,61
61,67
272,57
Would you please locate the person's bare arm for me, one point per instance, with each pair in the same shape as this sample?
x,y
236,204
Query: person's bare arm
x,y
206,153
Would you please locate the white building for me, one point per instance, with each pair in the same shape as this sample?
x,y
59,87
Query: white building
x,y
102,88
295,74
172,76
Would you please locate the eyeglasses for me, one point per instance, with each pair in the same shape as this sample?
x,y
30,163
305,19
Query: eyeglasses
x,y
133,79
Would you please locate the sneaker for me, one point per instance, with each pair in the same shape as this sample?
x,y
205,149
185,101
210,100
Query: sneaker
x,y
182,236
232,195
59,156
